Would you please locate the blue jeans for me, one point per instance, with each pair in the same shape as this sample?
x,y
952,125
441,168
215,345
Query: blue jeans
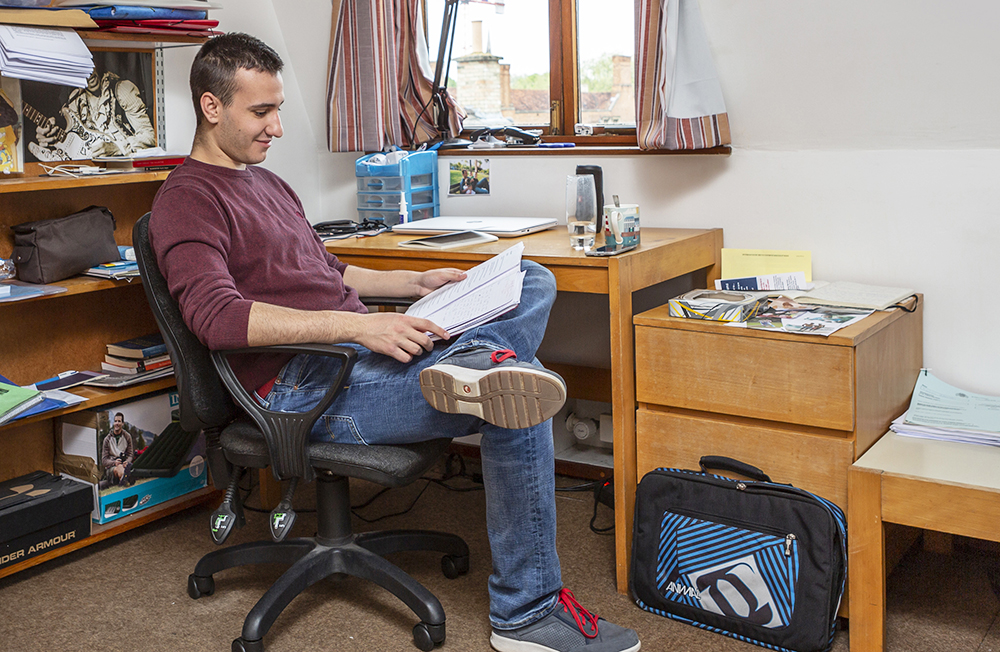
x,y
382,404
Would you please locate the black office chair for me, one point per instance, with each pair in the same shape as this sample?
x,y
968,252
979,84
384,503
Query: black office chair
x,y
253,437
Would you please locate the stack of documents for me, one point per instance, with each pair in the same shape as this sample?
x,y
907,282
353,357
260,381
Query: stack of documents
x,y
940,411
489,290
55,55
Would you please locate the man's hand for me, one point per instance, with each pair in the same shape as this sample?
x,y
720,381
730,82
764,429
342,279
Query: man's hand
x,y
426,282
397,335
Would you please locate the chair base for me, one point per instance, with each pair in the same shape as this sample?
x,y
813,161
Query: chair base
x,y
316,558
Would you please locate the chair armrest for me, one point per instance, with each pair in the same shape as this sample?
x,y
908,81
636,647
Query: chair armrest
x,y
286,433
395,302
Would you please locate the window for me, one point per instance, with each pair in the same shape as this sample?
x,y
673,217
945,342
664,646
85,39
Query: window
x,y
548,64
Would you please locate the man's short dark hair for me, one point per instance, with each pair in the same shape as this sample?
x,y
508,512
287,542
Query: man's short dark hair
x,y
215,65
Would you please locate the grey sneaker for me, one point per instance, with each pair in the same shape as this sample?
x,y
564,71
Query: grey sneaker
x,y
570,628
493,386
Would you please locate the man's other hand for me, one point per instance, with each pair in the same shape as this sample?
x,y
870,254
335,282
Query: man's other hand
x,y
432,279
397,335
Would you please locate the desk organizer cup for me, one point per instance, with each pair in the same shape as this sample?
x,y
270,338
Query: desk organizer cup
x,y
381,186
621,224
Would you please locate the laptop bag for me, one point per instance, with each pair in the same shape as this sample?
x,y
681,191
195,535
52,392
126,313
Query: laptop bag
x,y
755,560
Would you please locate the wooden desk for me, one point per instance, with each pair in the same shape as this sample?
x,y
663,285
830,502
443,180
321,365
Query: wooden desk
x,y
933,485
664,254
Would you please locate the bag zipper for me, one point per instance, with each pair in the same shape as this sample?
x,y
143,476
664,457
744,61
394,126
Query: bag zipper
x,y
789,538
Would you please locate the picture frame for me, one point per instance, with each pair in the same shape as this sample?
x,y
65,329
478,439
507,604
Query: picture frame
x,y
114,115
11,128
469,177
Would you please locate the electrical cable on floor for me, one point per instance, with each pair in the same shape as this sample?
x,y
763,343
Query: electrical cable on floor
x,y
597,486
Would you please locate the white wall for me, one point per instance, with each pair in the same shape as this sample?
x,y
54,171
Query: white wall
x,y
864,132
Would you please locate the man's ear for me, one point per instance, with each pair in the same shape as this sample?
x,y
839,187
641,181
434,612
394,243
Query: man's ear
x,y
211,107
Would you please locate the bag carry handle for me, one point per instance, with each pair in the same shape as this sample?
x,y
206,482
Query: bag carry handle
x,y
729,464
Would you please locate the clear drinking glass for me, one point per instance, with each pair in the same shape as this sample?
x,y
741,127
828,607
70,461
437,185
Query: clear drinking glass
x,y
581,211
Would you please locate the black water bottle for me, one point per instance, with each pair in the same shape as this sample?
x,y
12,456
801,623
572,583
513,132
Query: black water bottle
x,y
598,174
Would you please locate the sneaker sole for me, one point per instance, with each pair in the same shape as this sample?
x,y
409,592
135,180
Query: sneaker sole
x,y
509,397
504,644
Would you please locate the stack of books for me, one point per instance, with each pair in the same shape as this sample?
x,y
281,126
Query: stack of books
x,y
135,360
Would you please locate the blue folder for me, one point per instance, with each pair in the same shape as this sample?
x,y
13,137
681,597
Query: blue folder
x,y
129,12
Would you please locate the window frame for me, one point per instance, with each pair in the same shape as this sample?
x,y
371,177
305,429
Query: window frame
x,y
564,83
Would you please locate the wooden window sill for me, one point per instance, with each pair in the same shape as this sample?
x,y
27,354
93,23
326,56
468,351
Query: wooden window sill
x,y
580,150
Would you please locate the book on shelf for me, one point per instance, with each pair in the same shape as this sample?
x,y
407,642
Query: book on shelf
x,y
138,363
134,366
115,380
15,399
146,346
138,162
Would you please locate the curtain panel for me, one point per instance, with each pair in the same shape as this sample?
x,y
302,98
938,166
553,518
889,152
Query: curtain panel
x,y
679,102
379,83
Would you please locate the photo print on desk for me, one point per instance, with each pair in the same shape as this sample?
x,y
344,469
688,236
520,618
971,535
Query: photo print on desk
x,y
11,160
114,115
469,177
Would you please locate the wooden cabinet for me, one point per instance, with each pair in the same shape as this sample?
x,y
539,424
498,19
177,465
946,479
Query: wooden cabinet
x,y
42,337
801,407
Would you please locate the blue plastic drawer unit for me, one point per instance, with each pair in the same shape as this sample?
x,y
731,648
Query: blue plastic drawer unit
x,y
381,186
391,216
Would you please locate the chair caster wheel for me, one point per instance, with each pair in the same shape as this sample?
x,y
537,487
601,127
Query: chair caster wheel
x,y
452,566
239,645
425,636
199,586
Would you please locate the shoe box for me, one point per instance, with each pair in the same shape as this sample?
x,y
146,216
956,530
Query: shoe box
x,y
81,438
39,512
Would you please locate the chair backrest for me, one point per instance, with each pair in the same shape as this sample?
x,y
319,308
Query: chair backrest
x,y
204,401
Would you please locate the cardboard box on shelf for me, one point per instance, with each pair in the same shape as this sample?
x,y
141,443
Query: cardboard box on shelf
x,y
39,512
141,457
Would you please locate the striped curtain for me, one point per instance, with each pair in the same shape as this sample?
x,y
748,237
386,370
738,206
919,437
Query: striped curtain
x,y
379,82
679,101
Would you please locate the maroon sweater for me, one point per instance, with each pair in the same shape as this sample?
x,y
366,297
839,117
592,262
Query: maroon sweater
x,y
225,238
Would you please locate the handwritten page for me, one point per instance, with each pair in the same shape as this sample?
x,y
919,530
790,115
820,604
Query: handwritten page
x,y
489,290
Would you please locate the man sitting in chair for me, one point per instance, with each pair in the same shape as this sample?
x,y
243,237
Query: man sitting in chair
x,y
247,269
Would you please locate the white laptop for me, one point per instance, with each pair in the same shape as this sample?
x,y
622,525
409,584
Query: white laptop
x,y
504,227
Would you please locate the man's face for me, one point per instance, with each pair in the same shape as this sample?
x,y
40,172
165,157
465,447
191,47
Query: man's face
x,y
119,422
247,125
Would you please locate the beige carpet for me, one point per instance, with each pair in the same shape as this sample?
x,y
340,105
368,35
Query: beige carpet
x,y
129,593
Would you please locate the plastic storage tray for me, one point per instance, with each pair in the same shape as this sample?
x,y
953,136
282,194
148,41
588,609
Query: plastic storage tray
x,y
380,187
391,217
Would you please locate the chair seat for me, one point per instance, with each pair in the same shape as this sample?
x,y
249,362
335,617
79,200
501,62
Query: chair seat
x,y
392,466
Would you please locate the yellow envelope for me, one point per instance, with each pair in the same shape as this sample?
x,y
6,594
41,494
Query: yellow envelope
x,y
740,263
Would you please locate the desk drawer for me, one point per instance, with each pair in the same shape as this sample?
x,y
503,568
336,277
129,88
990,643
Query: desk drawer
x,y
816,463
804,383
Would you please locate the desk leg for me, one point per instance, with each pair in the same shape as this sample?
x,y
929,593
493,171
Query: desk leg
x,y
866,560
623,410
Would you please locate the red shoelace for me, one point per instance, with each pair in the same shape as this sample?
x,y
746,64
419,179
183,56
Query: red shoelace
x,y
499,356
582,617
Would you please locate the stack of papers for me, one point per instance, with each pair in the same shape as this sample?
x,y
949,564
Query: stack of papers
x,y
940,411
55,55
489,290
15,400
17,290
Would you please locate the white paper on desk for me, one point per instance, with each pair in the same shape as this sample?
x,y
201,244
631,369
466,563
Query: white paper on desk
x,y
901,427
475,278
936,403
